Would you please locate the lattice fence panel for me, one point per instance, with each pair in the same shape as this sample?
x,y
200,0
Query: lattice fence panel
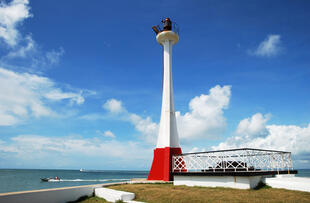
x,y
245,159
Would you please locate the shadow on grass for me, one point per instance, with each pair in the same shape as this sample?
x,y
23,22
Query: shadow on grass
x,y
261,185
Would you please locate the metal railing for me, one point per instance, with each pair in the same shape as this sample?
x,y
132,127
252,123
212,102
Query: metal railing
x,y
244,159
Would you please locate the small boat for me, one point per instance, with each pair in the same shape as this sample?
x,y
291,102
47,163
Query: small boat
x,y
81,170
56,179
45,179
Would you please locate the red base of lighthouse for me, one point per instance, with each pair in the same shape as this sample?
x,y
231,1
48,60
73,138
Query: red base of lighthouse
x,y
162,163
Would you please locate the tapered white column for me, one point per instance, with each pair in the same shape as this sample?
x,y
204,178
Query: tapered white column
x,y
168,133
168,139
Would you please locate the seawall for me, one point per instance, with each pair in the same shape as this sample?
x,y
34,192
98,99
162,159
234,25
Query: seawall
x,y
54,195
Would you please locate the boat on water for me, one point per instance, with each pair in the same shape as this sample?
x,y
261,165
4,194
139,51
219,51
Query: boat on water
x,y
82,170
56,179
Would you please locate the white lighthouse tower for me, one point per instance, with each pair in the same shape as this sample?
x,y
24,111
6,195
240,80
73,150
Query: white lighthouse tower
x,y
168,139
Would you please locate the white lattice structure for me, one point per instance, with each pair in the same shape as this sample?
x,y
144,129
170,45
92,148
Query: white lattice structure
x,y
235,160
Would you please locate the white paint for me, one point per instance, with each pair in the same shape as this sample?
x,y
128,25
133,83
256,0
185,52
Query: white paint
x,y
285,176
239,182
168,133
114,195
290,183
170,35
148,182
54,195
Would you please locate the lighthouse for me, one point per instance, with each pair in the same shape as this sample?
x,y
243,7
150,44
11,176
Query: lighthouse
x,y
168,138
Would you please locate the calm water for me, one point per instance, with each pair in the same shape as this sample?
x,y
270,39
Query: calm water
x,y
12,180
303,173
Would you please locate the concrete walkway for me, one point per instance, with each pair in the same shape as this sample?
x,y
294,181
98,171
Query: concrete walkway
x,y
290,183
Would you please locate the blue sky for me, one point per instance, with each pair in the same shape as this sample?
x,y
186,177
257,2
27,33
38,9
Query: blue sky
x,y
80,82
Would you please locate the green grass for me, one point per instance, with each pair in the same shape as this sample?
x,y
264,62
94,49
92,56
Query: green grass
x,y
93,200
163,193
86,199
182,194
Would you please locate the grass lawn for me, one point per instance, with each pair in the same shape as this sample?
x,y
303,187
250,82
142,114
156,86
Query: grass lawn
x,y
158,193
89,200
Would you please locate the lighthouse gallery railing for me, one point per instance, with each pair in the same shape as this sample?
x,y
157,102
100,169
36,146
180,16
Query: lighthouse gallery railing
x,y
244,159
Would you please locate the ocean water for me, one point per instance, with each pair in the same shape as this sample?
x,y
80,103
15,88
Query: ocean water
x,y
12,180
303,173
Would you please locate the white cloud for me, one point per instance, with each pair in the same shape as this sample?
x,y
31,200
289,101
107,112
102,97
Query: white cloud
x,y
57,94
254,126
53,56
107,133
11,14
23,95
113,106
205,118
278,137
23,51
271,46
196,149
6,119
92,117
37,150
147,128
31,55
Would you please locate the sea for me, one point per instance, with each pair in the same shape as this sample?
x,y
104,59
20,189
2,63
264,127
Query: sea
x,y
13,180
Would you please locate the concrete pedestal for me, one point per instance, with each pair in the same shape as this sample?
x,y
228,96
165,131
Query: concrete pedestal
x,y
239,182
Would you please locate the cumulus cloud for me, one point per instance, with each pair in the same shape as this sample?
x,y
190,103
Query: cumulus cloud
x,y
256,133
113,106
147,128
271,46
254,126
37,149
107,133
23,95
12,14
205,118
